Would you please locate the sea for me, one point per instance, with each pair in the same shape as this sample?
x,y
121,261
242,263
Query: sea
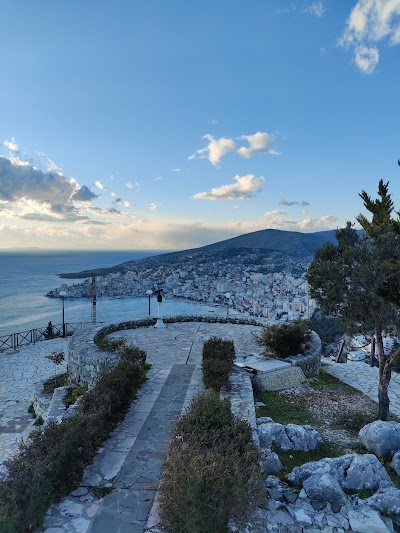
x,y
27,276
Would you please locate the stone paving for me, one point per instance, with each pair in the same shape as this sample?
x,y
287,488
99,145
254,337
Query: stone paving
x,y
21,371
129,462
365,378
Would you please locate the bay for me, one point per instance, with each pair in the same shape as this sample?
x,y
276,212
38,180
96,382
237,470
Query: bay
x,y
26,277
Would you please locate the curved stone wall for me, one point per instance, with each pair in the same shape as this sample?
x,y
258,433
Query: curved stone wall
x,y
85,359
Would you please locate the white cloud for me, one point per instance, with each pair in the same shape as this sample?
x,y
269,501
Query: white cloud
x,y
100,186
275,212
176,170
158,178
366,59
213,122
244,188
258,143
12,146
120,201
316,8
133,186
215,149
369,23
153,207
113,194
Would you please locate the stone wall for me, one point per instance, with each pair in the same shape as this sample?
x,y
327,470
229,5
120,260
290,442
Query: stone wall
x,y
85,358
310,362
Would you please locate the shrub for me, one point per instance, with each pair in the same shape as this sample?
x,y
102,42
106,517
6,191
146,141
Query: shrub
x,y
211,470
218,356
51,463
286,339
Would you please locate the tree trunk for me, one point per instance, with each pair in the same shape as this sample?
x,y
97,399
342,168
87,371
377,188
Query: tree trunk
x,y
385,373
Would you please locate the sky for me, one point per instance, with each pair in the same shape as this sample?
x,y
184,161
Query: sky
x,y
170,125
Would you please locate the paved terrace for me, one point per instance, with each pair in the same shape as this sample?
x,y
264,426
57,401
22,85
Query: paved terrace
x,y
130,460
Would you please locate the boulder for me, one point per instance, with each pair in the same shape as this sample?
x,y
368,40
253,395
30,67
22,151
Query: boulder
x,y
395,464
264,420
386,500
366,472
324,488
363,520
272,464
351,471
290,437
381,438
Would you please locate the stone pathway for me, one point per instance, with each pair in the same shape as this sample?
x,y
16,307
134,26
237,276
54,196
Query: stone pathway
x,y
365,378
129,462
21,371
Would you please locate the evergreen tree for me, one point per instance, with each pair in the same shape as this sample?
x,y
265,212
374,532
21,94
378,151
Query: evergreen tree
x,y
359,280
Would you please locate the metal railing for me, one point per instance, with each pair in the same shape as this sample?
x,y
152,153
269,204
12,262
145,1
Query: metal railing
x,y
31,336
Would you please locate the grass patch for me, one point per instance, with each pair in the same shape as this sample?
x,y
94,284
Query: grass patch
x,y
292,458
218,356
353,421
283,410
325,380
53,383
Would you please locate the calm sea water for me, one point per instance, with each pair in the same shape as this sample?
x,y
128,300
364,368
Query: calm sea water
x,y
25,278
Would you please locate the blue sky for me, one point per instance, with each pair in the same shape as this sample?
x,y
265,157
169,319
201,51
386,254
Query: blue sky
x,y
168,125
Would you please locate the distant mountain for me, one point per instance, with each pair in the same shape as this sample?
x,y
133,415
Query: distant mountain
x,y
292,243
263,243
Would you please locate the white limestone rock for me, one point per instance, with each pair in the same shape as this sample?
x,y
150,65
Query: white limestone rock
x,y
387,499
324,488
395,464
381,438
364,520
289,437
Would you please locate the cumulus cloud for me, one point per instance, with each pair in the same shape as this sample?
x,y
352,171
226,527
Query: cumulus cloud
x,y
153,207
100,186
244,189
176,170
275,212
84,194
316,8
19,179
12,146
366,58
258,143
215,149
283,201
369,23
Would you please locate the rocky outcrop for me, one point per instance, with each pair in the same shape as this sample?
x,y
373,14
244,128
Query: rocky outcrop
x,y
386,500
351,471
381,438
324,488
289,437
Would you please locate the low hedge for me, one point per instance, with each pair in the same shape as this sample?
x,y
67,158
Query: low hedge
x,y
218,356
211,471
50,464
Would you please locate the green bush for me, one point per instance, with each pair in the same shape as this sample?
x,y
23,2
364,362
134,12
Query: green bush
x,y
218,356
285,339
211,470
50,465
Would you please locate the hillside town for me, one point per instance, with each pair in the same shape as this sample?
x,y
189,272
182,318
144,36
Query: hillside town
x,y
273,295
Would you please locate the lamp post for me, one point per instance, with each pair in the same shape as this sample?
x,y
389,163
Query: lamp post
x,y
228,297
149,292
63,295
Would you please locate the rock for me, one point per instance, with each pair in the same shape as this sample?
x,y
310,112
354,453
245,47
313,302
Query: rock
x,y
366,472
395,464
301,517
290,437
272,464
318,506
351,471
290,496
381,438
366,520
387,500
324,488
264,420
